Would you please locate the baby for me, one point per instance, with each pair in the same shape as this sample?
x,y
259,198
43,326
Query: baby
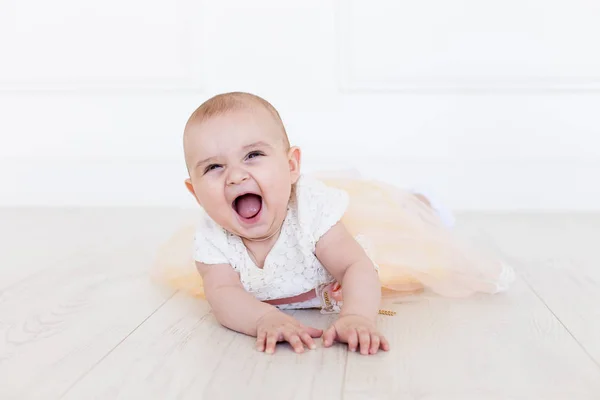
x,y
272,238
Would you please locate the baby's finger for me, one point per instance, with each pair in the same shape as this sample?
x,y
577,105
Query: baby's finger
x,y
260,341
374,343
271,342
352,340
294,340
385,345
308,341
365,341
313,332
329,336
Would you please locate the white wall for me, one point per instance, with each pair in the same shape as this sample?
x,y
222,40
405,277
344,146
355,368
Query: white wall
x,y
495,105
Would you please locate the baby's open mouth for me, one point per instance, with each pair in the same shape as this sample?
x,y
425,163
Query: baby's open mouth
x,y
248,205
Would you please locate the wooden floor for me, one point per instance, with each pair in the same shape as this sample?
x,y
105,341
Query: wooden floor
x,y
80,319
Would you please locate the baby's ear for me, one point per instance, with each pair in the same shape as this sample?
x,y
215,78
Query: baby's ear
x,y
190,188
294,159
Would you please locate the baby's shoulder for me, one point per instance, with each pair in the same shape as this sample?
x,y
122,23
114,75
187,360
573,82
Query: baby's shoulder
x,y
210,242
311,191
208,230
319,206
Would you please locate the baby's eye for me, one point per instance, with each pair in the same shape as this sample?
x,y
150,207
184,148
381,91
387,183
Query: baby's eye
x,y
211,167
254,154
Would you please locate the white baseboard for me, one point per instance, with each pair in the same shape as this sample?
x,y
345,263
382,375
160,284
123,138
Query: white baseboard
x,y
474,185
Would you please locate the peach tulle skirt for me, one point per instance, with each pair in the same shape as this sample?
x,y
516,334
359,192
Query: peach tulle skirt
x,y
405,237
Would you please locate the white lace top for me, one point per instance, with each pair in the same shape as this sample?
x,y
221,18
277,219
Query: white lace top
x,y
291,267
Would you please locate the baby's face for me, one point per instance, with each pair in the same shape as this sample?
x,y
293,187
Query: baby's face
x,y
241,172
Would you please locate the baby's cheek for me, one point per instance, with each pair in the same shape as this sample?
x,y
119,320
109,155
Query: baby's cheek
x,y
216,208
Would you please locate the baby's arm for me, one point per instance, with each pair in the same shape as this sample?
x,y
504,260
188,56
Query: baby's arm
x,y
232,305
348,263
240,311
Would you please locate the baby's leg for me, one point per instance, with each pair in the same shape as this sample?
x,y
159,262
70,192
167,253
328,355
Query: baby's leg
x,y
445,214
423,199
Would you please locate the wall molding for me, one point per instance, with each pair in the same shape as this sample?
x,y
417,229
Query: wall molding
x,y
350,83
191,81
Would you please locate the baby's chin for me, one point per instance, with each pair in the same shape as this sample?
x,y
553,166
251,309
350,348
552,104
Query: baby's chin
x,y
257,235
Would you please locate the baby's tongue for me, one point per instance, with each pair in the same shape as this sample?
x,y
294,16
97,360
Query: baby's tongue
x,y
248,205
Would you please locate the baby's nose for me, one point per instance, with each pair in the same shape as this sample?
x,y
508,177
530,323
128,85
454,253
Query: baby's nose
x,y
237,176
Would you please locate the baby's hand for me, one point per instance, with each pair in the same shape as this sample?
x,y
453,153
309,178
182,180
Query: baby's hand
x,y
355,330
276,326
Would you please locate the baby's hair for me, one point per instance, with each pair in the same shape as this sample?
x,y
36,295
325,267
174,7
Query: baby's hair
x,y
234,101
230,102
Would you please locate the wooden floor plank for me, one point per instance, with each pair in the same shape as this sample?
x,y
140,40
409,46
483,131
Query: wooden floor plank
x,y
34,239
499,347
558,256
64,321
84,288
183,353
79,316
